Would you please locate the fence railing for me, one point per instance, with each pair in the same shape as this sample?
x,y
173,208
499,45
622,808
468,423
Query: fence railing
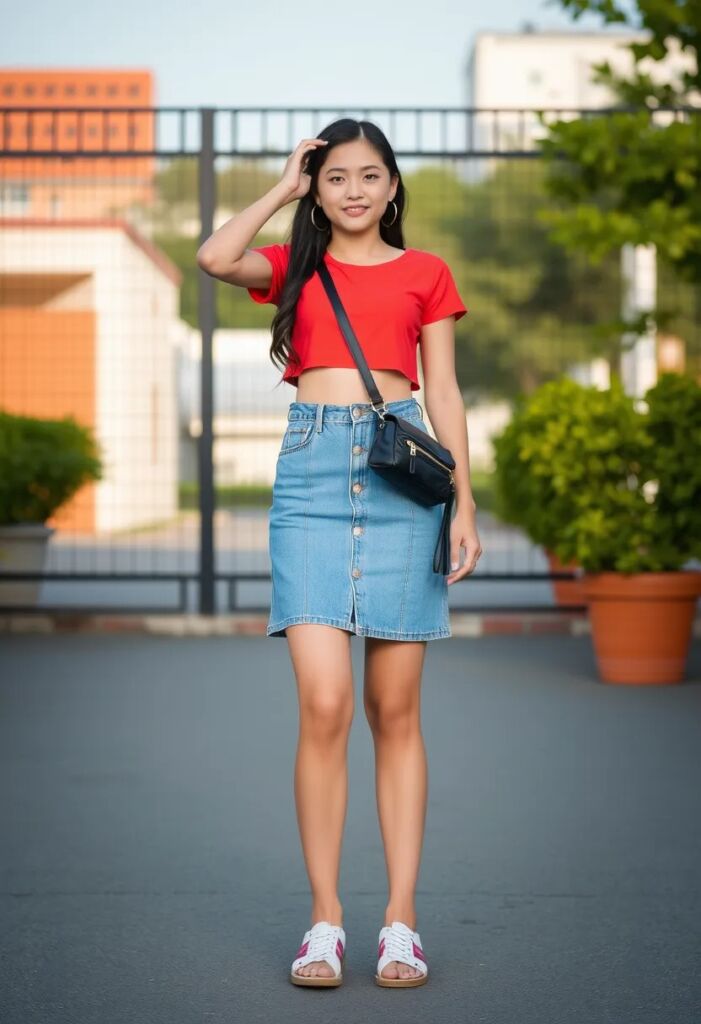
x,y
105,315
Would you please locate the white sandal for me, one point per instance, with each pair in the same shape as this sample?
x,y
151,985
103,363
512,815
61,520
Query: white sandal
x,y
398,942
323,941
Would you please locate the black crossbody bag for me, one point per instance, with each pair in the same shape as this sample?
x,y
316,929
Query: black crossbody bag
x,y
404,454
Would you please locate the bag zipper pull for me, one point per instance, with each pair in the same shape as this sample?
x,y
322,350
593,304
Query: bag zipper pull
x,y
412,457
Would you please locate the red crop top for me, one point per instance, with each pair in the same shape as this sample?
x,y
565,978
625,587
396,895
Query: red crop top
x,y
387,304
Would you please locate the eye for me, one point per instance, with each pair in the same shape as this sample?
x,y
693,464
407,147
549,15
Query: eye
x,y
337,177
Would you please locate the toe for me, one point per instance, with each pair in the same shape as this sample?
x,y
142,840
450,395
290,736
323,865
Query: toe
x,y
316,969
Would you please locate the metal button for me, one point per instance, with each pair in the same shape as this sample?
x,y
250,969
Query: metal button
x,y
357,412
357,449
357,488
357,530
356,573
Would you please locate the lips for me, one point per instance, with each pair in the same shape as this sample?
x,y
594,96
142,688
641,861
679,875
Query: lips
x,y
354,211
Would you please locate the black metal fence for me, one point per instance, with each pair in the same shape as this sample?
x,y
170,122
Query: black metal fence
x,y
105,315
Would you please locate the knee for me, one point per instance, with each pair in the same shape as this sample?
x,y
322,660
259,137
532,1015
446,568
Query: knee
x,y
392,718
327,717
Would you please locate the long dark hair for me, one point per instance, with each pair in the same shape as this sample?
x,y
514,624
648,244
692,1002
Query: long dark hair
x,y
308,244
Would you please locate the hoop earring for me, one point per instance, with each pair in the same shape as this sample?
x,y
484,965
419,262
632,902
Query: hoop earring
x,y
396,211
314,209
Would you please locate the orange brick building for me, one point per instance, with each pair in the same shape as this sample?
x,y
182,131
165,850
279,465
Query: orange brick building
x,y
35,117
89,307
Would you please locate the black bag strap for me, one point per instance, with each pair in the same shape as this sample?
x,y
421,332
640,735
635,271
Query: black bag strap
x,y
351,340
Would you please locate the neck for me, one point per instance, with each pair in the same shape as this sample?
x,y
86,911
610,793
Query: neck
x,y
358,248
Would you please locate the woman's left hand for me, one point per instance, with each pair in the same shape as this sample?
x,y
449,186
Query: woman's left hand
x,y
463,533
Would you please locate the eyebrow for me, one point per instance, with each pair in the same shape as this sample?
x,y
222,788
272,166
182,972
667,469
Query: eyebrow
x,y
366,168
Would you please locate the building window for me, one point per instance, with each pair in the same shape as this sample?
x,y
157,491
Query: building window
x,y
14,200
112,90
69,90
8,90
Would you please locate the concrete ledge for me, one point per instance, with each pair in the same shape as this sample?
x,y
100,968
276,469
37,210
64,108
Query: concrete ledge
x,y
463,624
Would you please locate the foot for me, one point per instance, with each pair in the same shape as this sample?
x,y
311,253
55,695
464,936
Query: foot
x,y
316,969
325,943
400,956
395,968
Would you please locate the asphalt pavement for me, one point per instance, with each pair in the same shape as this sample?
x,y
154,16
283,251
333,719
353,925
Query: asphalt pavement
x,y
150,862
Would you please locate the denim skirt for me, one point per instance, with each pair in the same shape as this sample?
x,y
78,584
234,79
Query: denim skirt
x,y
346,547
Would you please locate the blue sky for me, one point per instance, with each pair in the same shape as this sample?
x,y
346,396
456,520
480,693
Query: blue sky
x,y
214,53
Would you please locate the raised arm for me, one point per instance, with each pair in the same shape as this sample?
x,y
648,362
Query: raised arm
x,y
225,255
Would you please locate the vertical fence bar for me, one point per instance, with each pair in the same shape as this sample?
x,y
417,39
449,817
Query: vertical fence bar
x,y
206,313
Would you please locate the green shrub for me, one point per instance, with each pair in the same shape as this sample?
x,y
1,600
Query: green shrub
x,y
521,498
673,425
43,463
602,483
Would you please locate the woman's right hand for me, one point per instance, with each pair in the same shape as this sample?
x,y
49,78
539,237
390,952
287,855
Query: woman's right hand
x,y
295,178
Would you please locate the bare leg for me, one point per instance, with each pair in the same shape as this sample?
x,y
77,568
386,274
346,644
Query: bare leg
x,y
321,659
392,705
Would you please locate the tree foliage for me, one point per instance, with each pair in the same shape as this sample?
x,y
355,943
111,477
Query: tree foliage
x,y
634,175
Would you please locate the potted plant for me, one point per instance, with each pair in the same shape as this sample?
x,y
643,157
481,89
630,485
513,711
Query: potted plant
x,y
43,462
626,479
525,499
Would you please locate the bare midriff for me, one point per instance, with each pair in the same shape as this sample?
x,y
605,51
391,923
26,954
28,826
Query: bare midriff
x,y
341,385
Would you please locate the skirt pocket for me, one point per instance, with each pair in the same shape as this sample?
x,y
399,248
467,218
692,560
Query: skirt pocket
x,y
298,435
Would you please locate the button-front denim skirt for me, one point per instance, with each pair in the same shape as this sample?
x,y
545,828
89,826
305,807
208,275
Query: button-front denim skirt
x,y
346,547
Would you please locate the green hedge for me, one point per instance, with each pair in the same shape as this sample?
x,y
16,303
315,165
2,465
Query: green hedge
x,y
43,462
601,482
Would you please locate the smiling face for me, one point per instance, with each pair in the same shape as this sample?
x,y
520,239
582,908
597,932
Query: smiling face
x,y
354,186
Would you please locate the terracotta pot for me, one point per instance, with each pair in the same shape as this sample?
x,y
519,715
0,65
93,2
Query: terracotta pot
x,y
566,592
641,623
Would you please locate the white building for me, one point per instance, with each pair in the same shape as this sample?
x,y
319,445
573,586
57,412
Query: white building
x,y
532,70
89,315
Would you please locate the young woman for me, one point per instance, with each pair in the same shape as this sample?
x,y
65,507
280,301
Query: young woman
x,y
350,554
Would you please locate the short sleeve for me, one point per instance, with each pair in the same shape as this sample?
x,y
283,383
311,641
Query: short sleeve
x,y
279,258
443,298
